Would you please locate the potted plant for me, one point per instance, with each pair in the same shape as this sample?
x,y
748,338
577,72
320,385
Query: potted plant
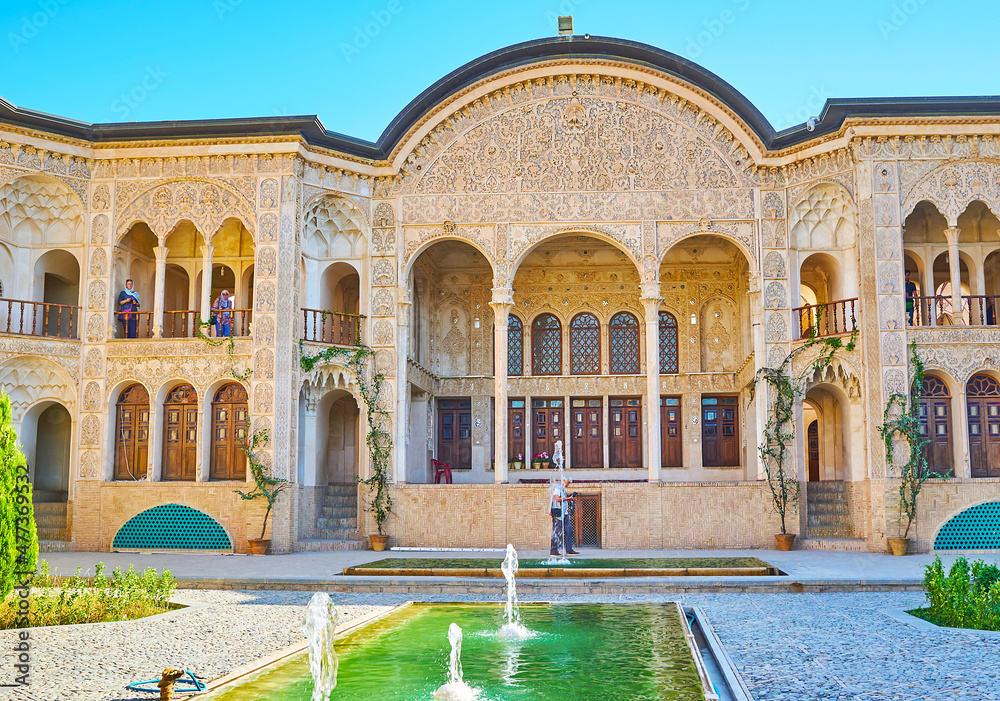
x,y
517,463
379,501
541,461
265,486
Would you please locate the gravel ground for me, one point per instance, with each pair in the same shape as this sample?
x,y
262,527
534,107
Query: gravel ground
x,y
788,647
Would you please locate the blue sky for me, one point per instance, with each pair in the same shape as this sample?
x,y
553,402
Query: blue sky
x,y
358,64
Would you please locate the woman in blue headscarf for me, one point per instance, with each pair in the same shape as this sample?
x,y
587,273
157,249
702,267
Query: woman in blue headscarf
x,y
128,306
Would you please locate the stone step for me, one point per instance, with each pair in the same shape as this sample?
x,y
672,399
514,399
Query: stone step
x,y
826,487
351,522
828,508
328,545
49,496
50,507
340,501
830,532
54,546
336,533
854,545
339,511
828,520
53,534
50,520
334,490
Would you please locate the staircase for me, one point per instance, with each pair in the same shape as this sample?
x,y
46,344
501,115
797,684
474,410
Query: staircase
x,y
828,511
337,523
53,527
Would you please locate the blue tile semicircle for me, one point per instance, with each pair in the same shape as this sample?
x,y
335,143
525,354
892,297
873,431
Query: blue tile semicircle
x,y
172,527
976,528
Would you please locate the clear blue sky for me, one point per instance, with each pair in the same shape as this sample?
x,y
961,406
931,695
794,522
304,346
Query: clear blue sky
x,y
356,64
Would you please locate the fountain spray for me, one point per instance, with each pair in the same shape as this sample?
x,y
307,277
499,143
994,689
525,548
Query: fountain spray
x,y
319,626
512,629
557,458
455,689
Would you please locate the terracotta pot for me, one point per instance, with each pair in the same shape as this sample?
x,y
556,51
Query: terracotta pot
x,y
378,542
517,465
259,546
898,546
785,541
545,464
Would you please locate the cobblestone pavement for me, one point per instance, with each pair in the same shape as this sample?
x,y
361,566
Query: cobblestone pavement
x,y
788,647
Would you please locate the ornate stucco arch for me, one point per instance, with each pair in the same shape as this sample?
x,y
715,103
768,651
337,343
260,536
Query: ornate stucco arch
x,y
48,195
819,206
952,186
30,379
740,236
206,203
415,244
627,238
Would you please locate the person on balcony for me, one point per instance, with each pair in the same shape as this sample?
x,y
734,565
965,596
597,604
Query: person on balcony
x,y
223,315
911,294
128,308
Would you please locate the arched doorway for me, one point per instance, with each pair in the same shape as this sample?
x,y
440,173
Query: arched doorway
x,y
131,437
936,425
983,410
180,434
50,457
57,285
812,450
340,455
229,430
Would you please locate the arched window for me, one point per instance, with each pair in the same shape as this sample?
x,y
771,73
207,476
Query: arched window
x,y
546,345
585,345
515,346
229,430
668,343
935,424
132,433
180,433
983,410
623,334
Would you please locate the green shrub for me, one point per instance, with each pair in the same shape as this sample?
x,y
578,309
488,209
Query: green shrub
x,y
18,537
967,597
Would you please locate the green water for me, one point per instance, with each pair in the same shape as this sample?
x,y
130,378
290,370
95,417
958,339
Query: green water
x,y
596,652
620,563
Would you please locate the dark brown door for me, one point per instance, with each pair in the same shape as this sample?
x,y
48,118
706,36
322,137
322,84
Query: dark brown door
x,y
625,426
516,418
935,425
180,434
983,407
455,432
546,425
132,433
586,418
587,521
812,435
229,430
671,453
720,431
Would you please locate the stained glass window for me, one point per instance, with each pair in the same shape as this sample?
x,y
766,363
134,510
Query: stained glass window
x,y
934,387
983,386
515,346
546,345
623,332
668,343
585,345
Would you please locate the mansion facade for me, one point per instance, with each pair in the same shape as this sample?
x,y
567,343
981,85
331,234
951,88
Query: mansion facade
x,y
583,240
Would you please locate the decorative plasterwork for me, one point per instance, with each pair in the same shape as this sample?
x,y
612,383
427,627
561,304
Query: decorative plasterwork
x,y
206,203
952,186
28,380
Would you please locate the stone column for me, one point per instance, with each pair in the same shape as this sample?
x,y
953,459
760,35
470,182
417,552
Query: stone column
x,y
402,385
928,307
651,300
502,303
309,444
955,268
977,311
206,283
960,434
159,286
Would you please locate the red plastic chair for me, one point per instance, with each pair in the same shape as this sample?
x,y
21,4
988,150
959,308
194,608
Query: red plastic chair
x,y
441,469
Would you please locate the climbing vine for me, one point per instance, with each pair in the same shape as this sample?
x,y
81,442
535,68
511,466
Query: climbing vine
x,y
265,484
378,440
780,427
230,343
901,420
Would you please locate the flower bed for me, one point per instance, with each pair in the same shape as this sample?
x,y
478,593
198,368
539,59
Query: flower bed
x,y
967,597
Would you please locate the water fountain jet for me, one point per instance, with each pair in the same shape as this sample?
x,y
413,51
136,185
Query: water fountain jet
x,y
559,460
319,626
455,689
512,629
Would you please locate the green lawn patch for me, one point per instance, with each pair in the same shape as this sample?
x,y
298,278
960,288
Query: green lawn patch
x,y
967,597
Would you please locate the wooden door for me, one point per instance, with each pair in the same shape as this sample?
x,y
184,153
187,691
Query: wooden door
x,y
516,417
586,432
812,450
455,433
720,433
229,431
671,451
983,407
587,521
625,426
936,425
180,434
546,425
132,433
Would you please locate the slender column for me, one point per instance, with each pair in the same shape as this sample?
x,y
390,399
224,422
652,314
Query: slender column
x,y
977,312
651,300
755,468
502,303
402,385
960,435
206,283
929,307
159,285
956,275
310,444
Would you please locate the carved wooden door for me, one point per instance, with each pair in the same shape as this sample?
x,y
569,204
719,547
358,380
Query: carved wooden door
x,y
625,426
229,419
546,425
180,434
516,418
586,432
455,432
671,449
812,440
936,425
720,431
132,433
983,407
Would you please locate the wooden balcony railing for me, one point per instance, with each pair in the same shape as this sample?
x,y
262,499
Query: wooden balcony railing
x,y
239,322
982,309
143,324
39,318
180,324
338,328
828,319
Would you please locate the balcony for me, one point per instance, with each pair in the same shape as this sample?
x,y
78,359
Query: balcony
x,y
41,319
184,324
977,310
336,328
828,319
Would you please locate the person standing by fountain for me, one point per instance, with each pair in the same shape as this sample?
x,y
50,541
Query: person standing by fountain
x,y
559,503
